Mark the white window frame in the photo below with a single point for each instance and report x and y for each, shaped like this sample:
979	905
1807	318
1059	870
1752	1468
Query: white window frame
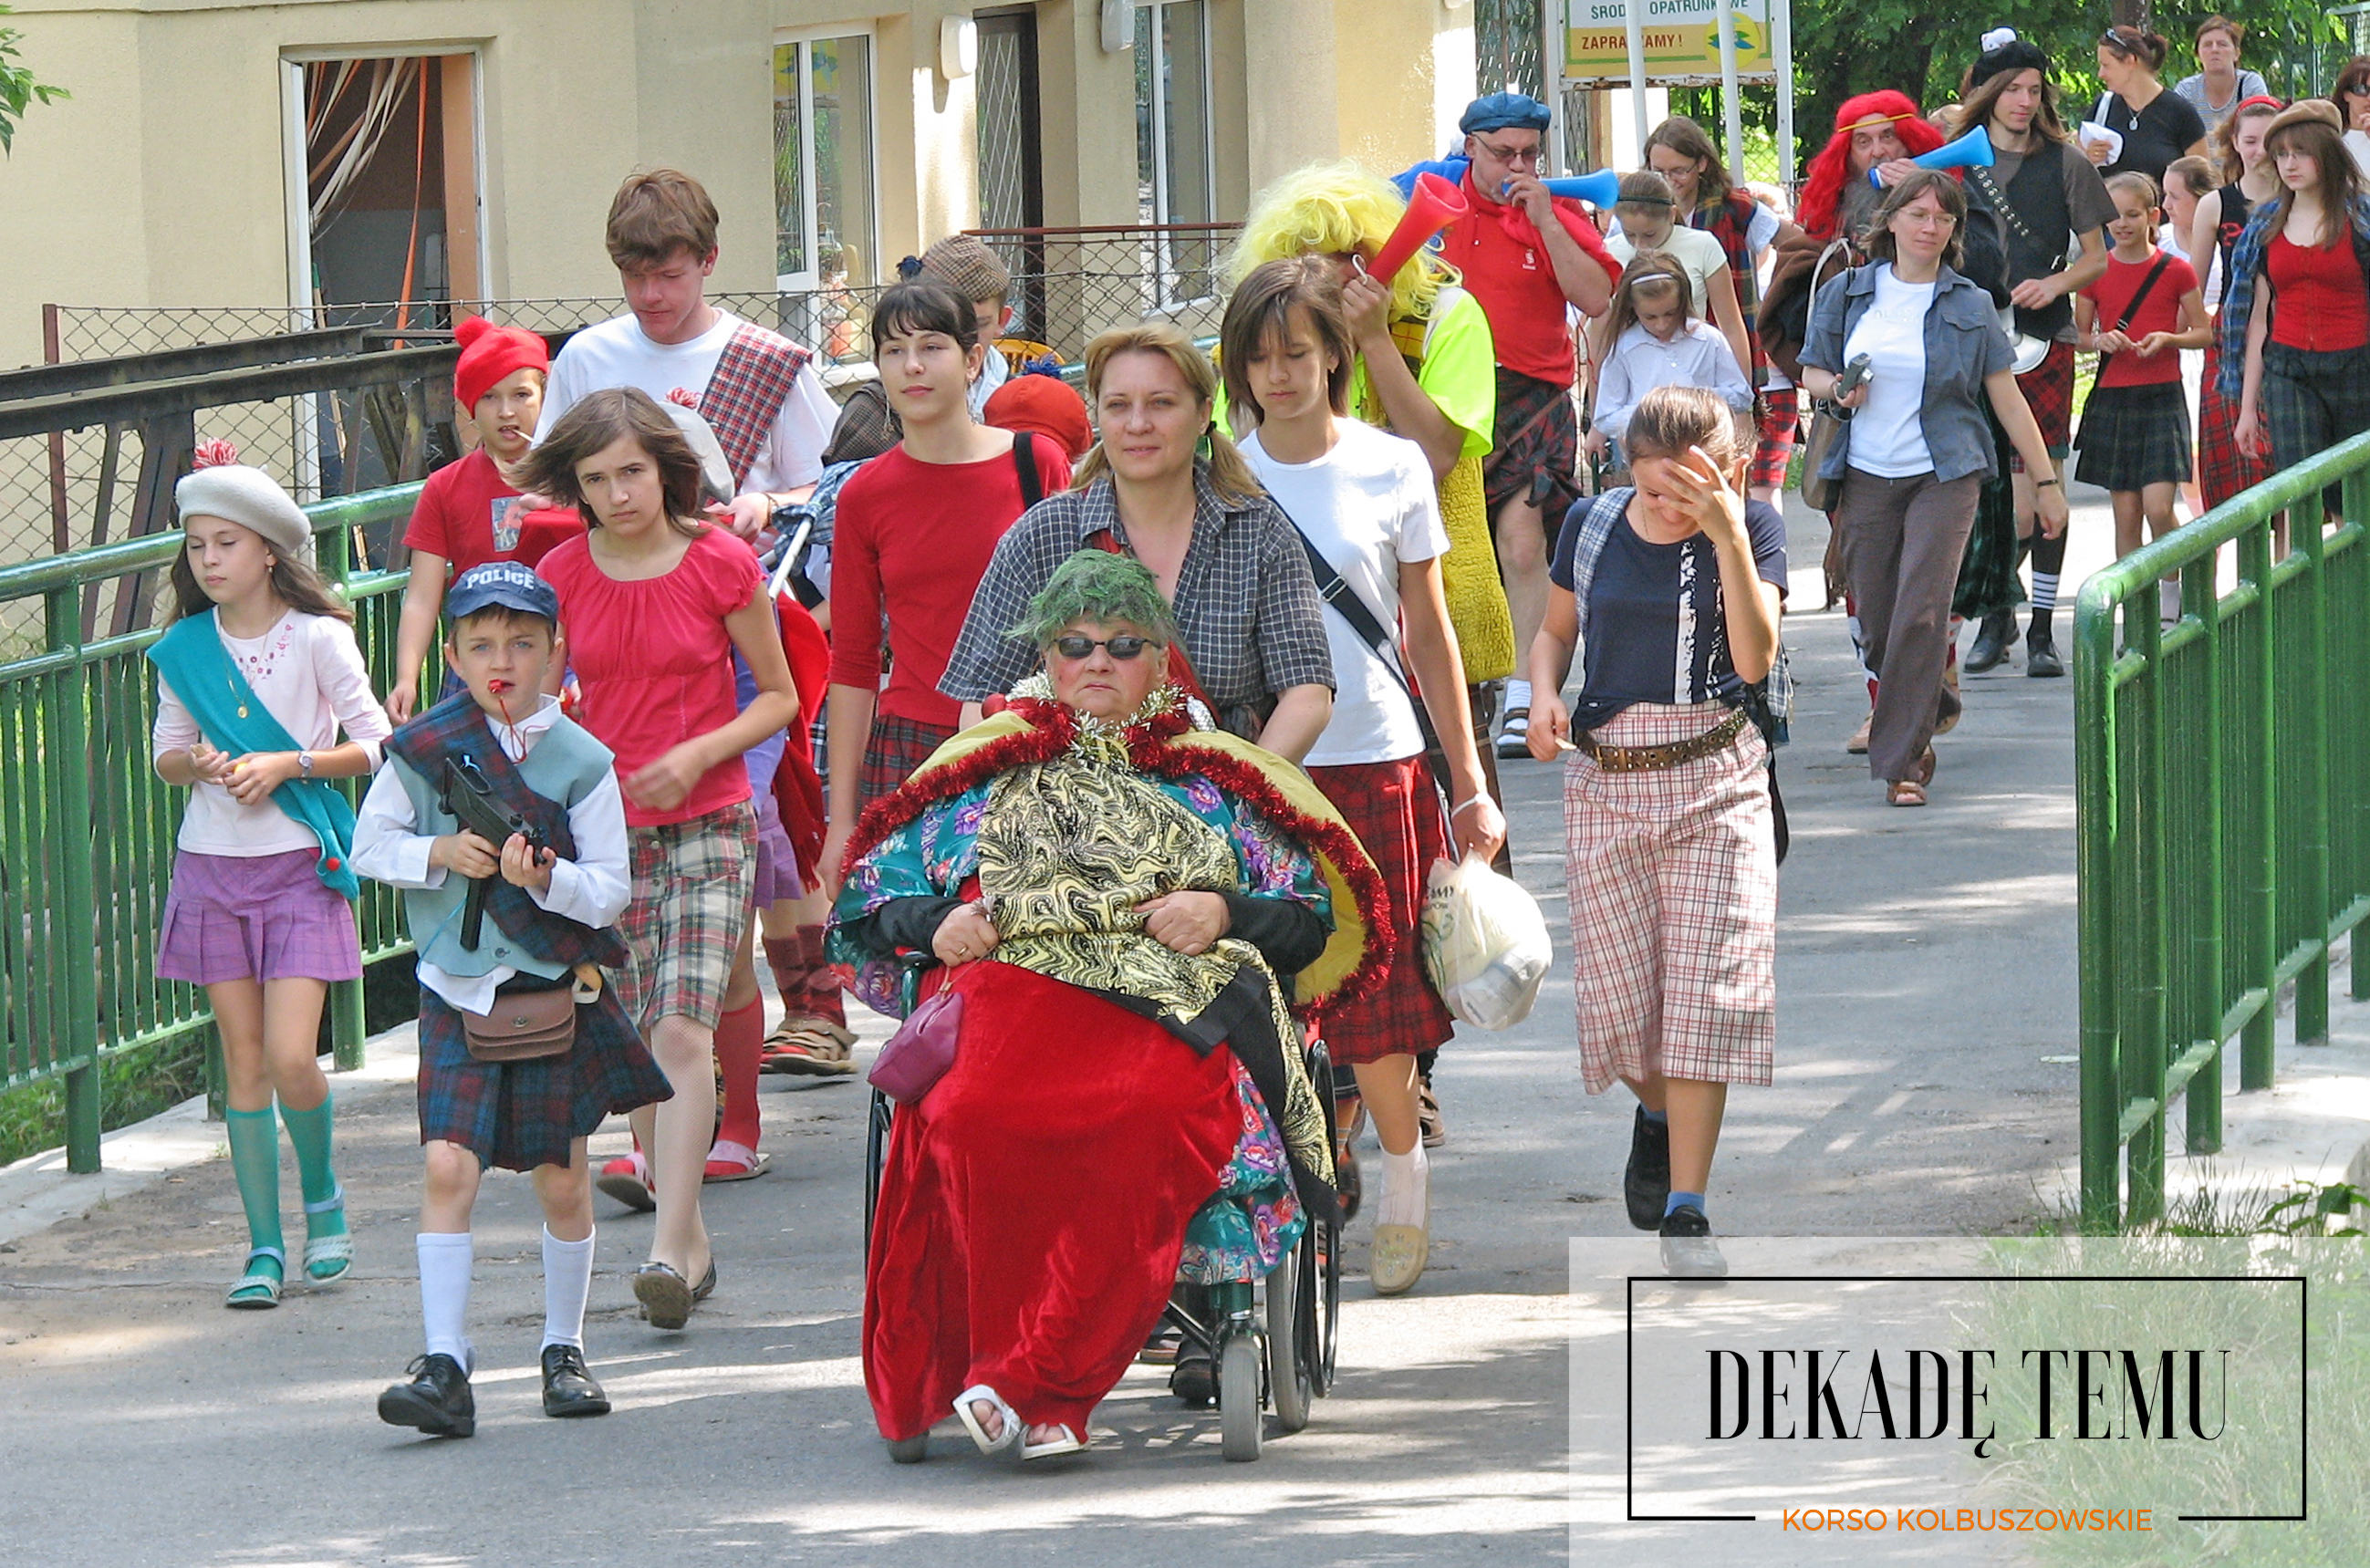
811	280
1164	249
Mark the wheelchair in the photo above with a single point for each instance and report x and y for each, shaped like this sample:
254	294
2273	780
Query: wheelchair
1273	1341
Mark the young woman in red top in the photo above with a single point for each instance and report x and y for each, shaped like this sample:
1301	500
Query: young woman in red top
2306	381
2134	438
653	601
910	539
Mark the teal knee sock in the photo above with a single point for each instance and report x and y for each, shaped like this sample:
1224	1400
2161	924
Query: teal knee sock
310	1132
255	1163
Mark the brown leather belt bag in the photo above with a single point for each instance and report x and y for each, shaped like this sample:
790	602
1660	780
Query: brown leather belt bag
524	1026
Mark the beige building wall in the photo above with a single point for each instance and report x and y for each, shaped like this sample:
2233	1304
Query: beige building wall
163	181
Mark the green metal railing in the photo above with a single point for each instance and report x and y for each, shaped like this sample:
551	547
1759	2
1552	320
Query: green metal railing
2222	793
87	827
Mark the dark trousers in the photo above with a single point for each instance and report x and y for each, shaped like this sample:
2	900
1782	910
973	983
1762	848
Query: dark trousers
1903	542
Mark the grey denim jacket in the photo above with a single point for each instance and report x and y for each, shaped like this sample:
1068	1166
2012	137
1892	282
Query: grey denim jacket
1963	345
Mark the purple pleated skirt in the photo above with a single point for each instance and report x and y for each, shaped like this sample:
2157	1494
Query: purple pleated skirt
260	917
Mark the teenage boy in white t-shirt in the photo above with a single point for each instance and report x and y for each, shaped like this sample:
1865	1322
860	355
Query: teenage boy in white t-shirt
758	390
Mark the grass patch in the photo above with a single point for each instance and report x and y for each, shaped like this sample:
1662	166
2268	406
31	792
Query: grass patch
131	1087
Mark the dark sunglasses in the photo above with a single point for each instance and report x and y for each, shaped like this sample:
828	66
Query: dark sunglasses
2357	89
1122	648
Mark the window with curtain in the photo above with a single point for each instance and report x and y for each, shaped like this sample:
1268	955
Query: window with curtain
823	162
1175	179
1506	37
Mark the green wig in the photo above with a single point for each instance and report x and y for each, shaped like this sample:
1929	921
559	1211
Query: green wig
1095	586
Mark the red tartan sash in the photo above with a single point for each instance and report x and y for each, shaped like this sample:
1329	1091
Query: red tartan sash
752	380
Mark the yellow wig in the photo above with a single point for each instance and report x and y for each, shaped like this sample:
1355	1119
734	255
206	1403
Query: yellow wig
1328	208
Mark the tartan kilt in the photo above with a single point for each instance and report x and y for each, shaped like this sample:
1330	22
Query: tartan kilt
1773	452
1396	810
2048	390
1537	433
2135	436
895	748
2223	470
517	1115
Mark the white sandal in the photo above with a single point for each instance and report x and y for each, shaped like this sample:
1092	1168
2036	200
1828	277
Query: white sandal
337	1250
257	1290
981	1393
1069	1442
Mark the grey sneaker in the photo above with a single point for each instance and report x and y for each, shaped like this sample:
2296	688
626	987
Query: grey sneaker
1688	1251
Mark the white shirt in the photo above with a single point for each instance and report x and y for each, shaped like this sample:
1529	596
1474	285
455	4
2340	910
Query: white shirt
994	372
309	674
1369	507
1695	251
591	890
1697	356
1887	439
617	352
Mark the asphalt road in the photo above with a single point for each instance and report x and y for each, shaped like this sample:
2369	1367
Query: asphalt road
1926	977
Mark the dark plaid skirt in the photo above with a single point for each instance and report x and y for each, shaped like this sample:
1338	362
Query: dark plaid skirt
2135	436
2221	469
1537	435
1396	812
517	1115
2048	389
897	746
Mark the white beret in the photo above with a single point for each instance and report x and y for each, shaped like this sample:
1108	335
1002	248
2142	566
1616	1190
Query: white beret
250	498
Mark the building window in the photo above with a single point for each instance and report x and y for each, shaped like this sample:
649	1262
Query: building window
1175	179
1506	37
823	162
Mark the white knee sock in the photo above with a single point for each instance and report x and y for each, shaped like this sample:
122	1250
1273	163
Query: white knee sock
444	1264
567	1281
1518	694
1406	1182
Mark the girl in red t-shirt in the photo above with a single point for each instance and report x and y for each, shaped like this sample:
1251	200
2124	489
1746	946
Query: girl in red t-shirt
2134	437
909	542
652	604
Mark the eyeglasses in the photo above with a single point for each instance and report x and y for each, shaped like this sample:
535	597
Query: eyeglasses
1523	155
1122	648
2356	89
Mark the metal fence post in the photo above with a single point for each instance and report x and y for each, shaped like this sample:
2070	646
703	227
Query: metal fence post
2094	831
66	742
2202	1019
2308	750
333	548
2258	1044
2140	1044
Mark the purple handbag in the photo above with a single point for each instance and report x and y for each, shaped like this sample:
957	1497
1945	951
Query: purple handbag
919	1053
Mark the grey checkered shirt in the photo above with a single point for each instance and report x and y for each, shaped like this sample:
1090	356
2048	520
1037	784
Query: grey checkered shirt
1246	603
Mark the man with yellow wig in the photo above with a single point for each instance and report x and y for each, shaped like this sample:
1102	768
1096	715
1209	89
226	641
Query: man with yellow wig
1427	372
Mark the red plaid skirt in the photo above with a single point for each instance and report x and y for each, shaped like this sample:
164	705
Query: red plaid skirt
2221	469
2048	390
1780	423
897	746
1396	813
517	1115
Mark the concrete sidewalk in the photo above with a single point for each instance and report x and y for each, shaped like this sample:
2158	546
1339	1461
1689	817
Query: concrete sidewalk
1925	1085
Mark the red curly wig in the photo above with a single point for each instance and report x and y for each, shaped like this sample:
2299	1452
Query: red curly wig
1822	185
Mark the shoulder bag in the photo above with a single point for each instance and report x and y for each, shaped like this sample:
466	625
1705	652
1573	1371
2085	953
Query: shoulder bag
1827	420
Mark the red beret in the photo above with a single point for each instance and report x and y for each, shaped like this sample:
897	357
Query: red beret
489	353
1042	404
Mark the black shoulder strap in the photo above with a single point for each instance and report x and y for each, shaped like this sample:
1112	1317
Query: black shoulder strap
1024	458
1335	590
2139	295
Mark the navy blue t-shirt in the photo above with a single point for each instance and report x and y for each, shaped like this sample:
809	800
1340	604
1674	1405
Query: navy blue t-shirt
1656	629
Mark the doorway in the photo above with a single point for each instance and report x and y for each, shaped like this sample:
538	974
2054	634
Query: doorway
1011	164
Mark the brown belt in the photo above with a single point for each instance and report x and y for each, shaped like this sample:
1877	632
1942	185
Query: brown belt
1642	759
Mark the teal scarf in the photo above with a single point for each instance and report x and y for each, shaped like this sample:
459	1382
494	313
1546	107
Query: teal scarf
235	720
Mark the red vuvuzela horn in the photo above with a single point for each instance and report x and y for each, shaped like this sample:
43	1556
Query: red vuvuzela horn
1434	206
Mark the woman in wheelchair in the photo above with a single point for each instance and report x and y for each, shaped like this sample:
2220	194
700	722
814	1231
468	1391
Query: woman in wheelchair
1127	902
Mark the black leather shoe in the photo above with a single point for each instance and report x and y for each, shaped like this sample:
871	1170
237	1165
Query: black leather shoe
568	1385
437	1401
1991	645
1646	1184
2040	655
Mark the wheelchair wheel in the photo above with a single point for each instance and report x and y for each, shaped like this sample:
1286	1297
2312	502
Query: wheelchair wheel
910	1451
1290	1377
876	1156
1239	1416
1320	1261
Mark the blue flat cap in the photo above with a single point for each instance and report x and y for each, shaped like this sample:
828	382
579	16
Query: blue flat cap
1505	111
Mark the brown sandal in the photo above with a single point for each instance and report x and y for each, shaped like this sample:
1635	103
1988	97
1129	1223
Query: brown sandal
1904	792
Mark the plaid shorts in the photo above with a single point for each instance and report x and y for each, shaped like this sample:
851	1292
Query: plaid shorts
1672	876
2048	390
693	884
1395	810
2221	469
1537	436
1780	424
897	746
2135	436
517	1115
2312	401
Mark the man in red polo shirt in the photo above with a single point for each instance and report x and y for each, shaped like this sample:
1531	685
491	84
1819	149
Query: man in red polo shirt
1527	257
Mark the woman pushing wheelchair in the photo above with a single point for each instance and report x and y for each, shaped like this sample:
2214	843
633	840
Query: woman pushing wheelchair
1127	901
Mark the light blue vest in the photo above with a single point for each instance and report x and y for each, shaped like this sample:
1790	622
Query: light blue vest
565	765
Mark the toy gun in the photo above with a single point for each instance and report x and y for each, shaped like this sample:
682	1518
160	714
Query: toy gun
468	798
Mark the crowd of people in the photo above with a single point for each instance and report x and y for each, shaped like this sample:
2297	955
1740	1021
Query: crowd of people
1115	738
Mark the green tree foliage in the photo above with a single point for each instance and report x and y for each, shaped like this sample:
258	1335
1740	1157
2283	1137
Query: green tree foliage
19	91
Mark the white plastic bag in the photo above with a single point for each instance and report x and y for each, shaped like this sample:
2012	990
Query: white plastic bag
1485	943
